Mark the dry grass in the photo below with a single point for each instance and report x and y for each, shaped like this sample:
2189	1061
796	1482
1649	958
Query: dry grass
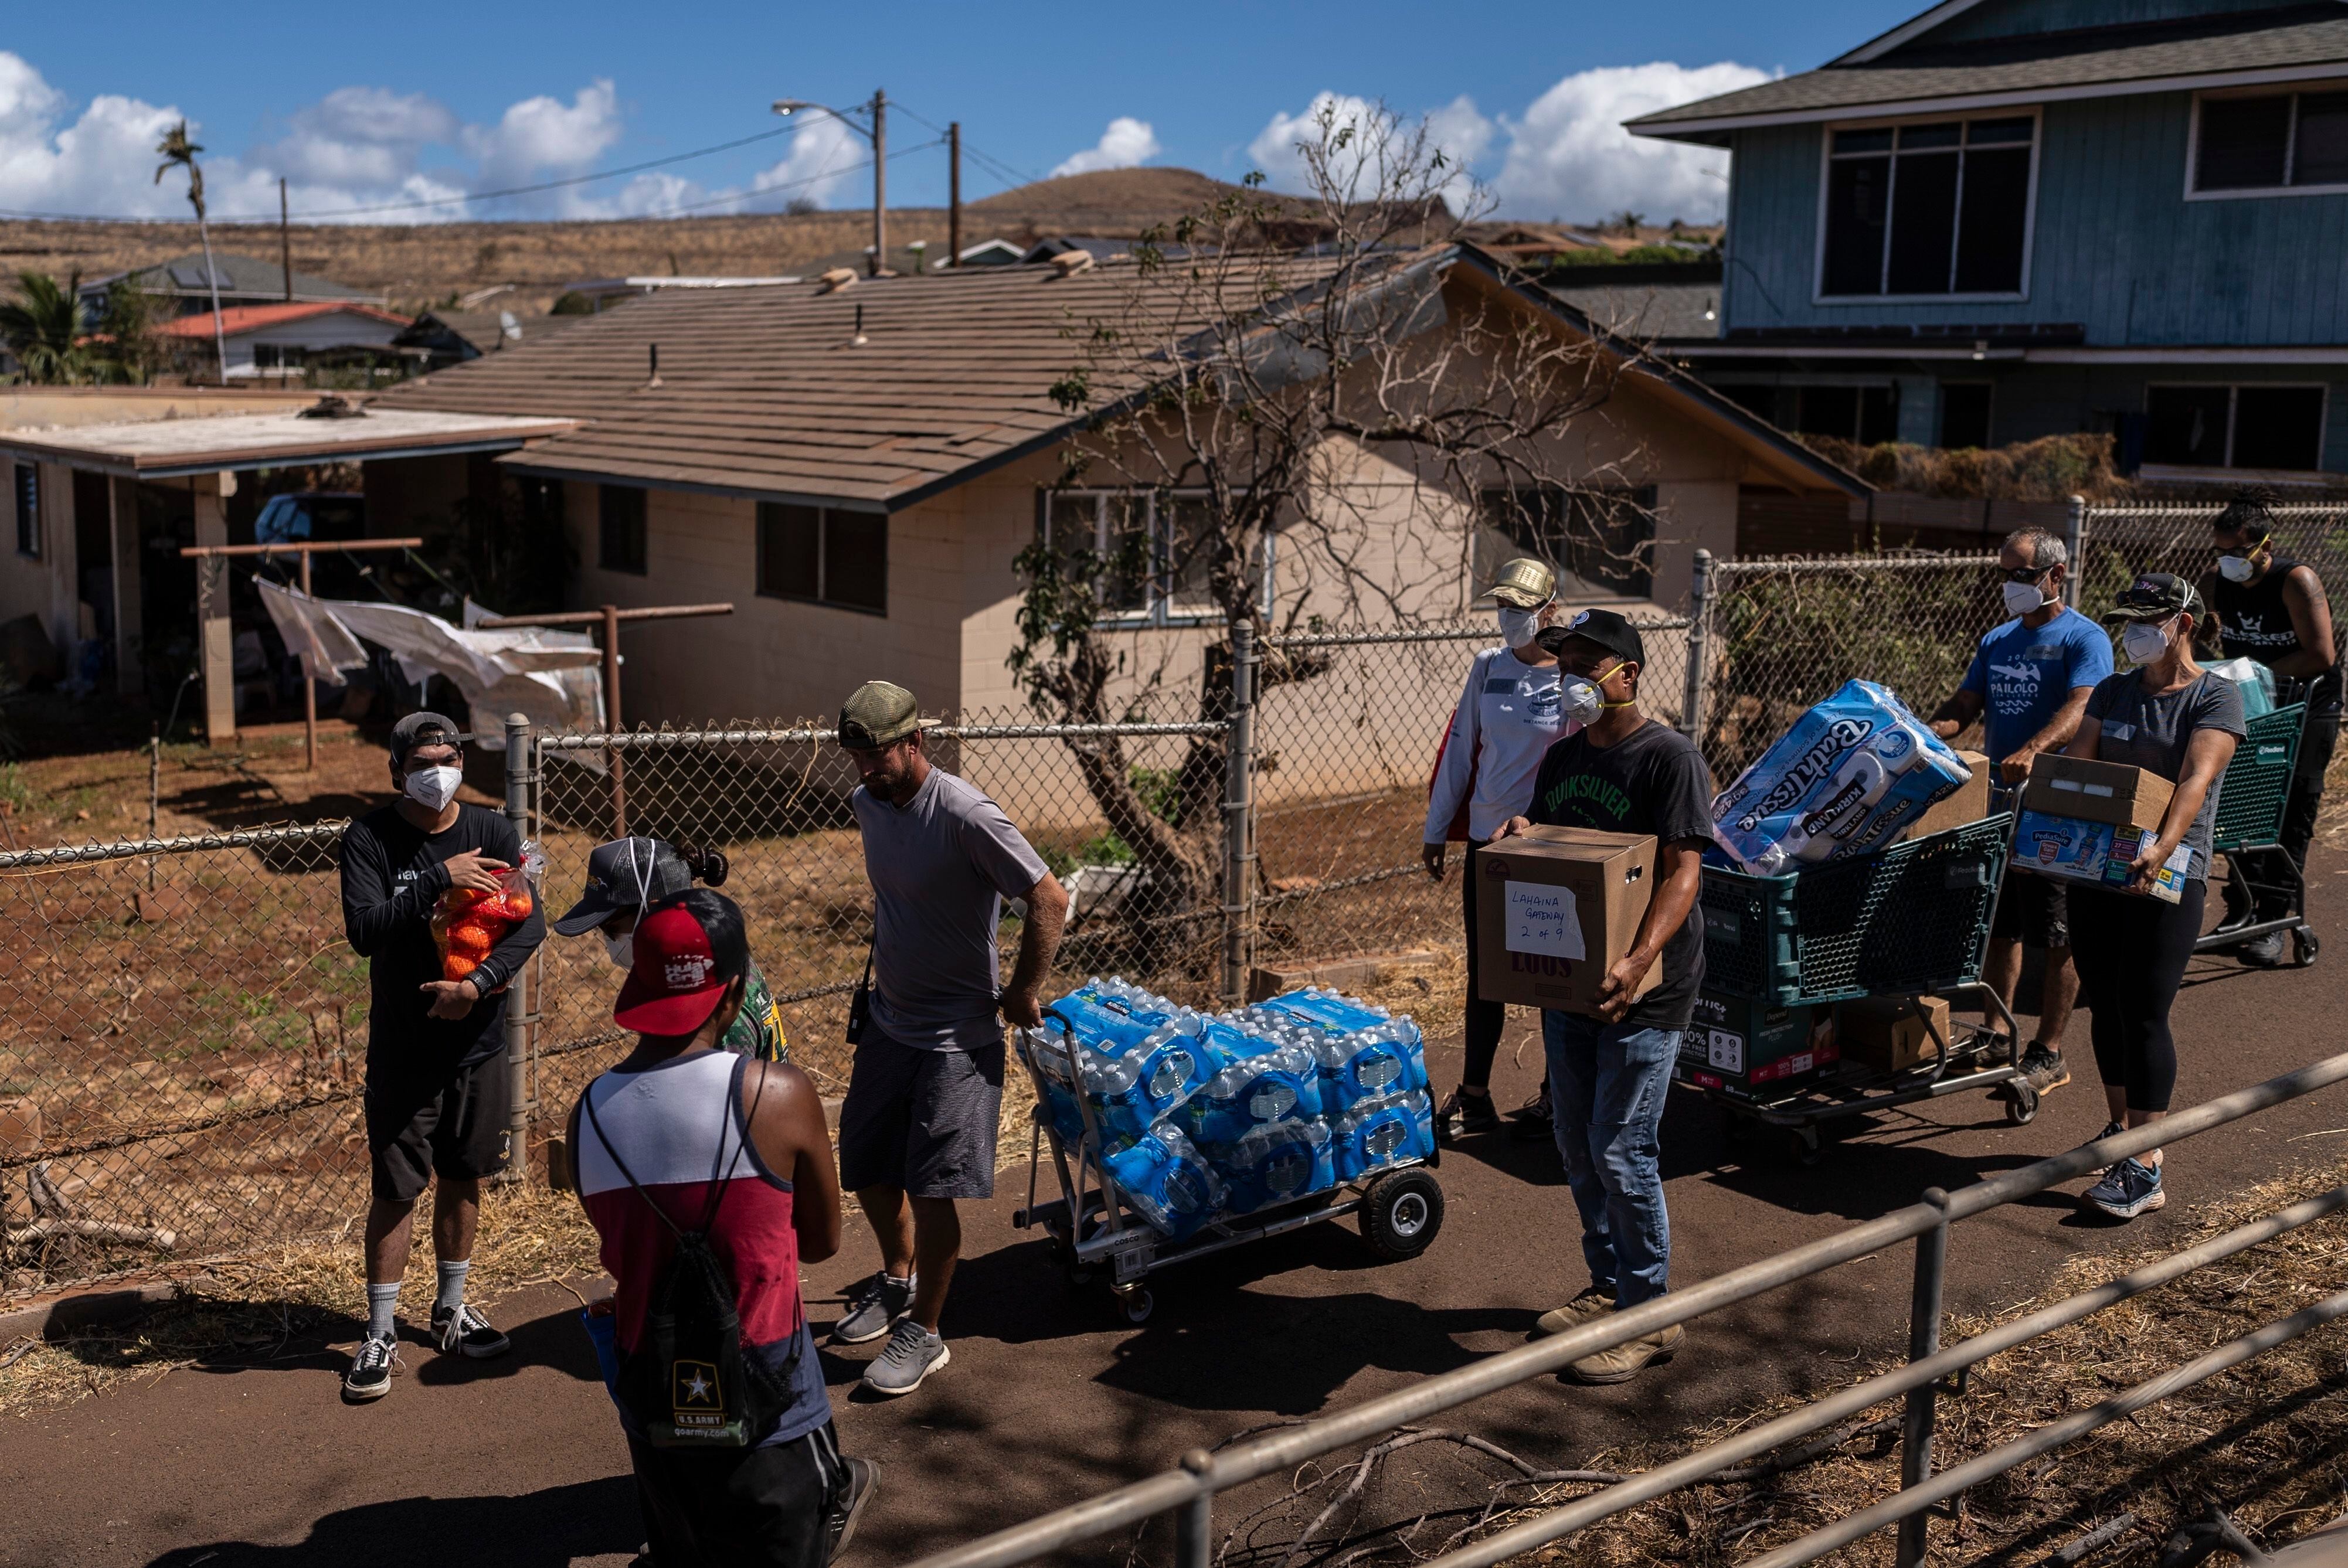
2267	1441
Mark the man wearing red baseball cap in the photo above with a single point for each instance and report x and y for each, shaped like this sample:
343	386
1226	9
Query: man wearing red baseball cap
686	1144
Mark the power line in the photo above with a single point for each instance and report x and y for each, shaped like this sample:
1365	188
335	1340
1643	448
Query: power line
1010	177
435	201
828	172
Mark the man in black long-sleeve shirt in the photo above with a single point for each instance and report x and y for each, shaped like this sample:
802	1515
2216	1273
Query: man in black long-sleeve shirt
437	1086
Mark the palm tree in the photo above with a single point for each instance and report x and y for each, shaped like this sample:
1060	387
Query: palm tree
42	326
179	152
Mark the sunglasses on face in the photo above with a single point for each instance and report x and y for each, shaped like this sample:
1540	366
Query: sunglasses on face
2248	549
2023	573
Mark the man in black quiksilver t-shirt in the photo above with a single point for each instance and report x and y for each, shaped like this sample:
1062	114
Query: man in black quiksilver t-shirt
1609	1075
437	1086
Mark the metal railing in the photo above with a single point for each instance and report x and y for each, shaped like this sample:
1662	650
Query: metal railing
1188	1492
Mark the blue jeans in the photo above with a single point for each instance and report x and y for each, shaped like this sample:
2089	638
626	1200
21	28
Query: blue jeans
1607	1083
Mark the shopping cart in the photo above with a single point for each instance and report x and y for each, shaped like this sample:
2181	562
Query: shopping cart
1097	1235
2261	873
1909	922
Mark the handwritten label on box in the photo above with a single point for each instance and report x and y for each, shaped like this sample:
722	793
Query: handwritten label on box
1541	918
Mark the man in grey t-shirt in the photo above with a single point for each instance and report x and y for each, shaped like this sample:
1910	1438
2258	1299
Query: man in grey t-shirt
926	1091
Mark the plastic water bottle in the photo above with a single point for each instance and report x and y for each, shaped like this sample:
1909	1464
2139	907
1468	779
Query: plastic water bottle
1166	1181
1381	1132
1275	1163
1282	1084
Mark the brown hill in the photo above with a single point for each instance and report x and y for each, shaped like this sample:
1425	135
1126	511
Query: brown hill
416	264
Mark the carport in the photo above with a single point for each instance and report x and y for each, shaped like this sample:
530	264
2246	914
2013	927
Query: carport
76	495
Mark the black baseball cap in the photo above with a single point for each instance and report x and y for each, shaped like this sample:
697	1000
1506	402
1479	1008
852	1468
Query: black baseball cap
625	874
1605	628
2154	596
423	730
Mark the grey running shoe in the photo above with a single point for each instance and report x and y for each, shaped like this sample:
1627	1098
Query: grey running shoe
2042	1069
872	1307
913	1353
862	1474
2263	952
2128	1189
462	1332
371	1369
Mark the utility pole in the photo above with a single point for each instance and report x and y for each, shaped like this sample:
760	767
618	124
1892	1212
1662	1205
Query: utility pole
285	259
609	619
954	193
880	180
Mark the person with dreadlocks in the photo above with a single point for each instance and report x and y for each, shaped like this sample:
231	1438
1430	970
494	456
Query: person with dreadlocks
2272	608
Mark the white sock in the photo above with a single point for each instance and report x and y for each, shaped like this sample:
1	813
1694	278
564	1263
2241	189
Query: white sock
381	1300
452	1286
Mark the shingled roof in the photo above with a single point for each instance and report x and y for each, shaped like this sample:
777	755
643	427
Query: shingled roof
2088	62
769	391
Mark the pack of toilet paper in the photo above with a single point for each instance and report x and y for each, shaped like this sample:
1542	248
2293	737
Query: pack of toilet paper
1845	779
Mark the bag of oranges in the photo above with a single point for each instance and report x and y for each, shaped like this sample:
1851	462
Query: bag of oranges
467	923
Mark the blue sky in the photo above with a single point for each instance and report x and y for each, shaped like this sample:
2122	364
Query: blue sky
452	98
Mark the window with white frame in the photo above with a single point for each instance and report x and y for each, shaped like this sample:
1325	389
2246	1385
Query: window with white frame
2214	426
1148	551
1936	209
2270	143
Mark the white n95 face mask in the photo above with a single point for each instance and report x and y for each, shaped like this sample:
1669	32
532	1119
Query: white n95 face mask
433	788
2024	599
1519	627
2236	569
2142	642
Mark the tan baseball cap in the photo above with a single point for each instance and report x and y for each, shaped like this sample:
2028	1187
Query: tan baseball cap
1524	582
877	713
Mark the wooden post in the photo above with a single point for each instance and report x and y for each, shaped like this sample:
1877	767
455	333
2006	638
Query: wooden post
309	684
880	181
129	568
215	637
612	758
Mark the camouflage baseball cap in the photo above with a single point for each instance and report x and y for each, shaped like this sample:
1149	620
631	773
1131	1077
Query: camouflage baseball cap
1524	582
877	713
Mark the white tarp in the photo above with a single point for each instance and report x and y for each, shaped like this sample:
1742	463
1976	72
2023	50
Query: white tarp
555	678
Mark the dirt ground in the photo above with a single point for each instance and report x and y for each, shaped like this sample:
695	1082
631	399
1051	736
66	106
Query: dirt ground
247	1457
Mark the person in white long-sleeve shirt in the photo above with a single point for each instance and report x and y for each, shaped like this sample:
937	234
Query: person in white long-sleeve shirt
1507	719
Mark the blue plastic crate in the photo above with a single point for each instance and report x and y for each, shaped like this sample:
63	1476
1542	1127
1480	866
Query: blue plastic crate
1912	919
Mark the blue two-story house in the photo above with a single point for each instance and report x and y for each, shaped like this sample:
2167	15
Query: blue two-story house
2009	219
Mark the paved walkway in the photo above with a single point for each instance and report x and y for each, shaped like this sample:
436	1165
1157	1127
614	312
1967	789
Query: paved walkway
1051	1395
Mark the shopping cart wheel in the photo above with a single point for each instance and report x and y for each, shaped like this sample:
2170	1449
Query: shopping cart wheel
1136	1304
1401	1213
1803	1147
2021	1103
2303	946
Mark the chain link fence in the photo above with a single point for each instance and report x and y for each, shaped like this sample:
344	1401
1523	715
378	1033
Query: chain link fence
185	1028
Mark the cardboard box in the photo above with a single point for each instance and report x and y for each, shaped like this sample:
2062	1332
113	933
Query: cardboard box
2079	850
1735	1044
1891	1034
1969	803
1555	909
2090	791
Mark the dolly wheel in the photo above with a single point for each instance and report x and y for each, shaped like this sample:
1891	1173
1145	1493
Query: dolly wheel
2021	1103
2304	946
1136	1304
1401	1215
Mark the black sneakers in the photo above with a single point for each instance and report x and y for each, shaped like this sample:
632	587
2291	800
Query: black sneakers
462	1332
861	1475
371	1369
2042	1069
1533	1122
1464	1113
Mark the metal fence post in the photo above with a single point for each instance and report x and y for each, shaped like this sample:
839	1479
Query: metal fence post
1194	1522
1699	615
520	776
2074	545
1923	1340
1239	816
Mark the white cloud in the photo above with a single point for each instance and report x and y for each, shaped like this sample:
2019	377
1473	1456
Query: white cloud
544	135
1570	157
1458	130
1125	144
824	152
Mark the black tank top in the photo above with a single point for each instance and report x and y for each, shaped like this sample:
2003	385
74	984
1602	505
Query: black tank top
2252	617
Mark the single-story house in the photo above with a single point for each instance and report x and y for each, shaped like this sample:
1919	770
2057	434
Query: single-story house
280	342
857	468
441	338
181	286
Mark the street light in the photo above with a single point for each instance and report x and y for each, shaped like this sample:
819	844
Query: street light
878	135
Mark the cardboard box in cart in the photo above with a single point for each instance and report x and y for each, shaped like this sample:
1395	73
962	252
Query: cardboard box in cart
1891	1033
1748	1047
1555	909
1969	803
2085	821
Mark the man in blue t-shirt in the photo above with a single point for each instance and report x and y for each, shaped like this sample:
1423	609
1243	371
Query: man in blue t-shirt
2029	685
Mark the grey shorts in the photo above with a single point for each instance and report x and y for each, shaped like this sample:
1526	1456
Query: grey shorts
922	1120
